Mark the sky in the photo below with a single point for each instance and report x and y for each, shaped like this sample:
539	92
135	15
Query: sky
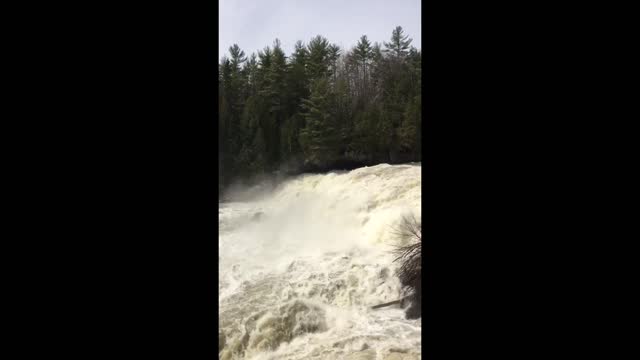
255	24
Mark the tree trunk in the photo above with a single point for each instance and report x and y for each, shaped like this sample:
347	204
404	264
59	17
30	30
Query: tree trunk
399	301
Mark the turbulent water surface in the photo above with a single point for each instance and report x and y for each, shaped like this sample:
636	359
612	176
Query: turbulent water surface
301	267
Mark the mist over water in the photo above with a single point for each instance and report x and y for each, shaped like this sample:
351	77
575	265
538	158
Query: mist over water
301	266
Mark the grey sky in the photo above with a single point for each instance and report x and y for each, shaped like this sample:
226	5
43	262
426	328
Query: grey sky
254	24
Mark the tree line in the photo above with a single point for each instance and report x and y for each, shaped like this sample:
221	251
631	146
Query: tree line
320	108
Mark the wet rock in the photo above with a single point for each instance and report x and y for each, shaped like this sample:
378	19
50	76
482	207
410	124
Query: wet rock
414	311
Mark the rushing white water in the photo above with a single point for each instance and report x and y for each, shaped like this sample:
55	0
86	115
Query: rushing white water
299	280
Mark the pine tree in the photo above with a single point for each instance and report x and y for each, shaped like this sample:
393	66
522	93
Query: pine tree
332	58
318	64
362	54
298	80
251	71
320	137
237	57
376	70
297	90
399	44
407	133
274	93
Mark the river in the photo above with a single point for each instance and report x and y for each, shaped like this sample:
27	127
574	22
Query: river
300	267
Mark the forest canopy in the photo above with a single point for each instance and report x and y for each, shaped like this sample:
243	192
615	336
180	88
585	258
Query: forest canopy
320	108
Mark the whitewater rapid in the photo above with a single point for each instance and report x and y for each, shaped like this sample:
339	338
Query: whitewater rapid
300	268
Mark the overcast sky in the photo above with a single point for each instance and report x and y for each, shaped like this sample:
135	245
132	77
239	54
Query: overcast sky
254	24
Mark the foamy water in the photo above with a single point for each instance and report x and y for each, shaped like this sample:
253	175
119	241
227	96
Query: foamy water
298	281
